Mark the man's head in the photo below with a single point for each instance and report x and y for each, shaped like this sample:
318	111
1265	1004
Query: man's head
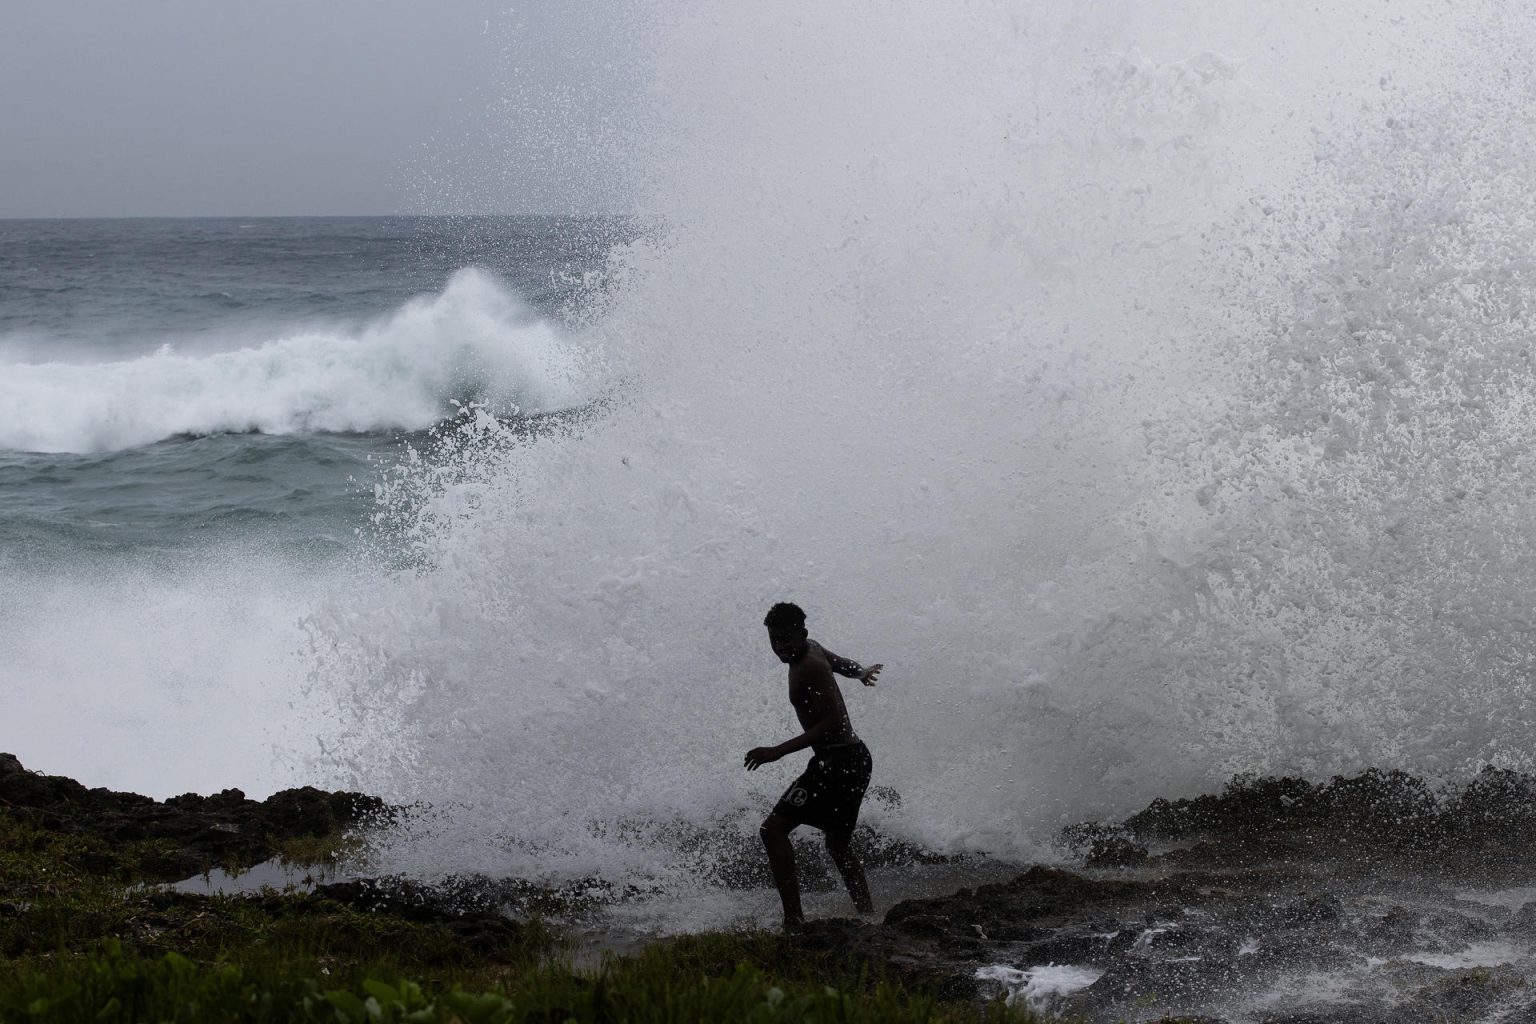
786	631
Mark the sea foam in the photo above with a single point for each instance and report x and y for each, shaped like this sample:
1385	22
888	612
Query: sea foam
476	340
1130	382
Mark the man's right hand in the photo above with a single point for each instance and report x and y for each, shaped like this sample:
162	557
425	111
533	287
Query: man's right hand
759	756
870	674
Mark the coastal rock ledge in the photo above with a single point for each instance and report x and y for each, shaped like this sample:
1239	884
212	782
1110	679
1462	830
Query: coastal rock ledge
1362	900
1371	899
199	832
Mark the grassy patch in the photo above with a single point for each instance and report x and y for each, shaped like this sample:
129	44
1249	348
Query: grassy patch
321	851
112	985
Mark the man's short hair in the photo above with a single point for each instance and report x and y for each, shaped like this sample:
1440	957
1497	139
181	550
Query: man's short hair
784	616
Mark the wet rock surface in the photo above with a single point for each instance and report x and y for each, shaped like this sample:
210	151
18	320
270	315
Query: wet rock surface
1364	900
1277	947
201	832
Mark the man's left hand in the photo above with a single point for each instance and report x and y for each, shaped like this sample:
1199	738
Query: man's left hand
759	756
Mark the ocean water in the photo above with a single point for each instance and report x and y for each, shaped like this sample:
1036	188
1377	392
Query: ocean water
194	418
1149	387
174	380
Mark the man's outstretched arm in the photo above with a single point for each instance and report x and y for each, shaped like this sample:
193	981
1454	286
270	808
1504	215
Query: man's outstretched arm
852	669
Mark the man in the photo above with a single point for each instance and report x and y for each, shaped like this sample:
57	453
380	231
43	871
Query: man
827	795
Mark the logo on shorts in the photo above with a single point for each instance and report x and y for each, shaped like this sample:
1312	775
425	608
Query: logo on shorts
797	797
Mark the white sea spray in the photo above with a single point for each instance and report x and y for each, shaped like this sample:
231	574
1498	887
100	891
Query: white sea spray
1151	401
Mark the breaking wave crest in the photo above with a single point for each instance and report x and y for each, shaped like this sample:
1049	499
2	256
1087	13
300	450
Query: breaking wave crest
476	340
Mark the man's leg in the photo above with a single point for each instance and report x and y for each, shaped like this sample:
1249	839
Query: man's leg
781	860
840	846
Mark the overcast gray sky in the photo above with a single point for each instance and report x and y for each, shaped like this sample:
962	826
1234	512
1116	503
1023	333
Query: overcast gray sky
279	107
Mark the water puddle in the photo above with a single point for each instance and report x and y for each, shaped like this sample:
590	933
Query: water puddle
273	875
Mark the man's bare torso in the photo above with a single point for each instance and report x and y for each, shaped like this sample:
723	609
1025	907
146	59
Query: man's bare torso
812	690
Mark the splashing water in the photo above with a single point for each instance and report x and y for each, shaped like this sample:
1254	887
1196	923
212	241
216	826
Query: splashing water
1041	988
475	339
1148	388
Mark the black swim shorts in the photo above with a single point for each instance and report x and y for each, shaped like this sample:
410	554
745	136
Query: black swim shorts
828	793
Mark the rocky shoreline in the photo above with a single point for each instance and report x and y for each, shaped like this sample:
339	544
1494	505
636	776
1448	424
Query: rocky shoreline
1279	901
1362	900
225	830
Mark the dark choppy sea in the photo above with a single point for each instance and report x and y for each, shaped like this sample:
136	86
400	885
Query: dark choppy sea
167	383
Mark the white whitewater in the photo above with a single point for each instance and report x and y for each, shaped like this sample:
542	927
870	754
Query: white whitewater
475	339
1147	385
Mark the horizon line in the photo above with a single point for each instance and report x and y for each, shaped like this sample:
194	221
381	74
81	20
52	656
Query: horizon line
304	216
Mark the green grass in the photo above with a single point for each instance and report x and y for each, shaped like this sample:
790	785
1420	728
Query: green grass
110	984
327	850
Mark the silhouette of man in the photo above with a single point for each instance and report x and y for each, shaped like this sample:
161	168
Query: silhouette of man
828	793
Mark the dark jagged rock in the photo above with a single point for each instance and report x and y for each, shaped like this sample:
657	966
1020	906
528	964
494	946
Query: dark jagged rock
1016	910
472	894
1392	813
483	927
1247	804
1310	910
225	829
1392	933
1271	878
1115	852
1463	996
